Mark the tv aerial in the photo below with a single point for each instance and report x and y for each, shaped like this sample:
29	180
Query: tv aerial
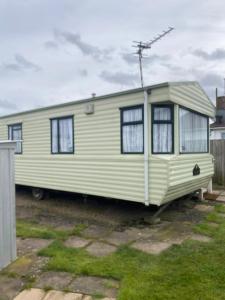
141	46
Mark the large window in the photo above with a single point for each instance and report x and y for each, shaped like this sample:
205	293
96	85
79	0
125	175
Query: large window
162	129
193	132
15	134
132	129
62	135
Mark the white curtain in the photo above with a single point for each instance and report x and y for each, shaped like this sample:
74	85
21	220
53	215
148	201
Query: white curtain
66	135
17	136
193	132
55	136
132	133
162	138
162	114
162	132
133	138
132	115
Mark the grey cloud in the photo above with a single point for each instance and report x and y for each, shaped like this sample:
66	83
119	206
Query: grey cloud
83	73
25	63
11	67
211	80
132	59
20	64
217	54
51	45
120	78
86	48
5	104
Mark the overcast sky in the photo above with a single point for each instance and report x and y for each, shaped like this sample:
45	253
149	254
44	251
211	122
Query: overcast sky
53	51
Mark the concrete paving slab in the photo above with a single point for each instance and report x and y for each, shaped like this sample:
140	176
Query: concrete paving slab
58	295
221	198
76	242
32	294
88	298
151	247
29	245
96	231
120	237
90	285
9	287
137	233
204	208
222	215
100	249
55	280
201	238
73	296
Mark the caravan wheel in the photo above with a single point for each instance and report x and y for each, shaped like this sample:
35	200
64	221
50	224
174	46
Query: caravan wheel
38	193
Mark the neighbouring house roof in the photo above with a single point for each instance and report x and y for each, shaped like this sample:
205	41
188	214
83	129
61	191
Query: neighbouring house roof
217	125
220	113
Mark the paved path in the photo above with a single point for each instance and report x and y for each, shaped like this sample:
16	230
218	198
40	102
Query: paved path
39	294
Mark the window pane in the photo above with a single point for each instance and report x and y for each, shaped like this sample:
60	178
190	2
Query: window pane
193	132
162	138
133	138
162	114
10	133
17	136
54	136
132	115
66	135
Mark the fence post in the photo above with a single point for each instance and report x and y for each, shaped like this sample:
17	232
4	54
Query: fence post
7	204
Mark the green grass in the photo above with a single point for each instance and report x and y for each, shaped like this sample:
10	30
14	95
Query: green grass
26	229
193	270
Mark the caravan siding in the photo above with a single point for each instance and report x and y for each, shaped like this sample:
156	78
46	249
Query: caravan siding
97	167
192	96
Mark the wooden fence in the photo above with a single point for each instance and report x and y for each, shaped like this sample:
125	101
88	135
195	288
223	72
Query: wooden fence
217	149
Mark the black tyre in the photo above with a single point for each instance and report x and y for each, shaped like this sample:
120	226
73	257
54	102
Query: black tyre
38	193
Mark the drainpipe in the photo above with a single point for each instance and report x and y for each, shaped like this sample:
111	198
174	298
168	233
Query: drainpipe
146	148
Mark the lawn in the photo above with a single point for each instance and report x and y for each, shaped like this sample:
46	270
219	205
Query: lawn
193	270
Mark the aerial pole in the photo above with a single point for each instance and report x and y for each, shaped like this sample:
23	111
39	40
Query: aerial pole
141	46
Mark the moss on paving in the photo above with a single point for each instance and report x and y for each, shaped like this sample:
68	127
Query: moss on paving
26	229
194	270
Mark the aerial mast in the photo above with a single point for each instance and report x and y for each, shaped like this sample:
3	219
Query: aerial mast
141	46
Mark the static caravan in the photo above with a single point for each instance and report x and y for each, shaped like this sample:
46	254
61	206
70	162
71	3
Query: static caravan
149	145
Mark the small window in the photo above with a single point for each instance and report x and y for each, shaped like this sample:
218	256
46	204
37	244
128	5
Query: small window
62	135
162	129
193	132
132	130
15	134
223	135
